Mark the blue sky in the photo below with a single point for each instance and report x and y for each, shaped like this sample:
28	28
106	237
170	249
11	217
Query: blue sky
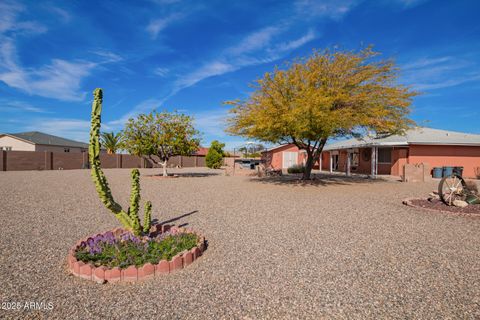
193	55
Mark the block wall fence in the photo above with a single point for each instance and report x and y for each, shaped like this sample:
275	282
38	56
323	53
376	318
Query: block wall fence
46	160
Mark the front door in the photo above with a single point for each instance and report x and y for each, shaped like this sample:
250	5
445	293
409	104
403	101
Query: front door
335	162
289	159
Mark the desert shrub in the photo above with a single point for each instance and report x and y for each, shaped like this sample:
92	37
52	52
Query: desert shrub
472	186
214	158
296	169
127	249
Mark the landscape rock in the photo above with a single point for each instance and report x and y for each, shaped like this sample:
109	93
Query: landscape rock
460	203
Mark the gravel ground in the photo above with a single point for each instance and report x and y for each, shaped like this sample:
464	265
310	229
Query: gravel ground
337	248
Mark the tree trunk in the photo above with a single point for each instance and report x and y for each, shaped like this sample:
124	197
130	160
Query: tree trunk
164	166
308	166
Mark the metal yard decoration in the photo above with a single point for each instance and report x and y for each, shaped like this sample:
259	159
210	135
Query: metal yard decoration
453	188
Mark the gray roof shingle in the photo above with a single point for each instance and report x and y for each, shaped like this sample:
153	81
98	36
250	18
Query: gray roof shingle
48	139
419	135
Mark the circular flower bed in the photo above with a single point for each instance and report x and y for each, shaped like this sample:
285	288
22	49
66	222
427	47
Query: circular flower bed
118	255
437	205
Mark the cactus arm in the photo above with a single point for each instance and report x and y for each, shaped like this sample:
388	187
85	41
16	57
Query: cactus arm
147	221
98	177
135	200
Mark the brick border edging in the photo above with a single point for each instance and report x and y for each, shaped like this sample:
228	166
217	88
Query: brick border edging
408	202
103	274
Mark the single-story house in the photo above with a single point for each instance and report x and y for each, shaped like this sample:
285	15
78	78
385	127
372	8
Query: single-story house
39	141
201	152
284	156
390	153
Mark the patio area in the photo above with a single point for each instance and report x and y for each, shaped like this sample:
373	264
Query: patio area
346	248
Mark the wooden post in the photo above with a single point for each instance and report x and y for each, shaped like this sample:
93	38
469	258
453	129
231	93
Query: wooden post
3	161
85	161
48	160
320	161
331	162
348	163
373	160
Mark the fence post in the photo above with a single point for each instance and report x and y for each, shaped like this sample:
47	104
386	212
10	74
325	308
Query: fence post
195	161
3	161
85	161
119	160
48	160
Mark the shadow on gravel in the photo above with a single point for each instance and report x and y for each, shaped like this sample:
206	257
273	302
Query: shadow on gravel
184	175
155	221
197	174
318	180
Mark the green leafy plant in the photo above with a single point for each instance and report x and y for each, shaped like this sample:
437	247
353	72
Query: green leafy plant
129	219
111	141
296	169
126	250
214	158
160	136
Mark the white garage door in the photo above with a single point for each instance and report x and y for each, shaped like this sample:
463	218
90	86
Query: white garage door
289	159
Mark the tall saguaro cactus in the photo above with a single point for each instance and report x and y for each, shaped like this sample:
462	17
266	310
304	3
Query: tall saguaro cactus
129	219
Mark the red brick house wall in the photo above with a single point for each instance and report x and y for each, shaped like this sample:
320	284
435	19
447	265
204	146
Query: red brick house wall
439	156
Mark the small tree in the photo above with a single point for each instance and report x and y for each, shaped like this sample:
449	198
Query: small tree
214	158
111	141
328	95
164	135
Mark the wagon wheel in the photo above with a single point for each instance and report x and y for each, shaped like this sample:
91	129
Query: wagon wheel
452	188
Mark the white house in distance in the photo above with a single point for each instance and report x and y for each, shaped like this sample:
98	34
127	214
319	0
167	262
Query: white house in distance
39	141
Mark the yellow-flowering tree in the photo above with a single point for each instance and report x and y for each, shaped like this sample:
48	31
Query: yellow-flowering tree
330	94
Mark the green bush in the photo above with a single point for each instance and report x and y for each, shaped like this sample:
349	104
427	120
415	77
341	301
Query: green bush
296	169
214	158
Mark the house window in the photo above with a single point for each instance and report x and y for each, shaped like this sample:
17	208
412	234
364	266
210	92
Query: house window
385	155
66	150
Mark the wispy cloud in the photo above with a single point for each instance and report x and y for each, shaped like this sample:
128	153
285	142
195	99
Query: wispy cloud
410	3
68	128
60	79
63	14
143	107
9	19
107	56
255	49
296	43
211	123
157	25
210	69
20	106
162	72
431	73
254	41
334	9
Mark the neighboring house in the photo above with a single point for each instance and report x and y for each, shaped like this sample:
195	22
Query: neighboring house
284	157
38	141
436	147
201	152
